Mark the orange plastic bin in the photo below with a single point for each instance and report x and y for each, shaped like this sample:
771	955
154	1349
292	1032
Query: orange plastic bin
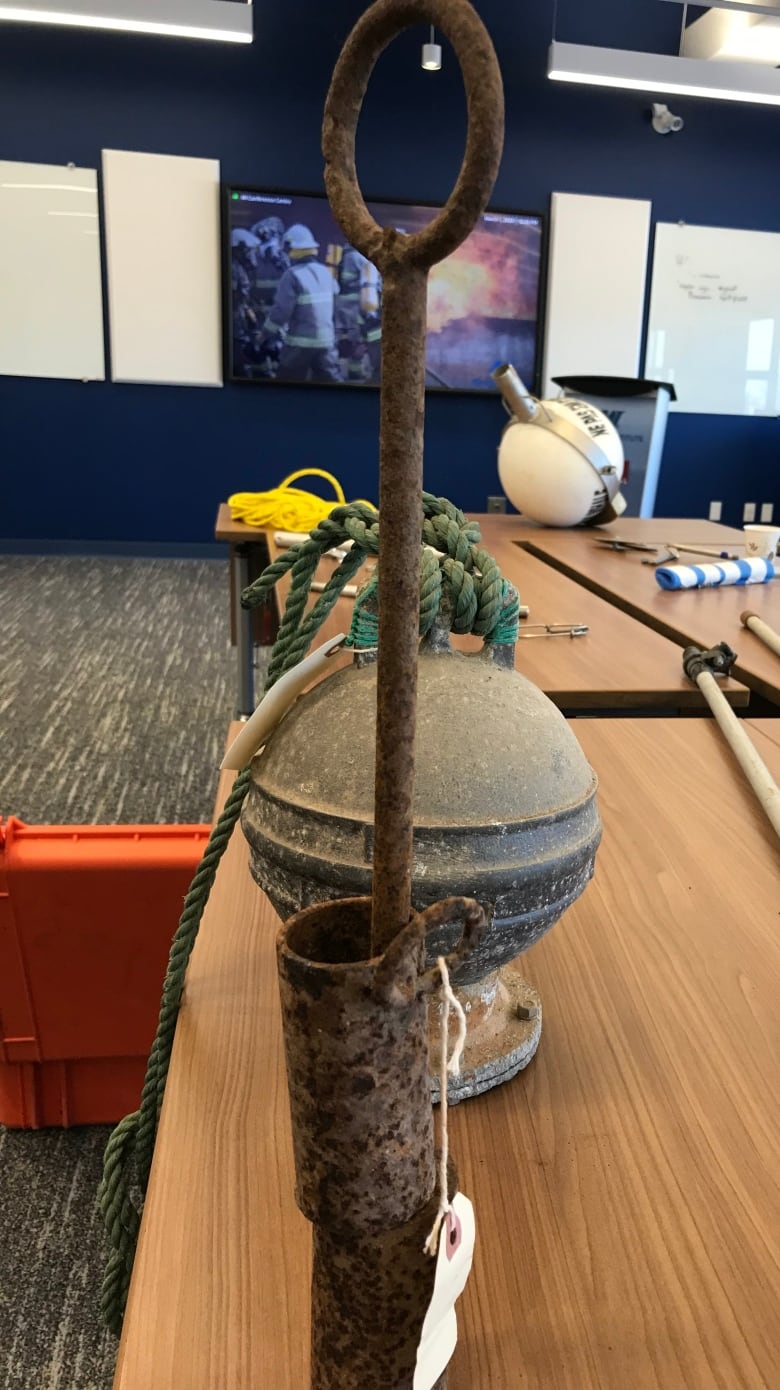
87	914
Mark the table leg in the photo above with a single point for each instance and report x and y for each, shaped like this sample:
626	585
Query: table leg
244	623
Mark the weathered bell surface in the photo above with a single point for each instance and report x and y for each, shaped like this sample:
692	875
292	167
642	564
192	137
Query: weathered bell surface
504	810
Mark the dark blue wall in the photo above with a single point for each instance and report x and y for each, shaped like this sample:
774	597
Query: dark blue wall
131	463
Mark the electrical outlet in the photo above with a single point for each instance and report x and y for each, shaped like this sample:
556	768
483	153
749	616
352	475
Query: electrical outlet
767	512
496	504
716	509
749	511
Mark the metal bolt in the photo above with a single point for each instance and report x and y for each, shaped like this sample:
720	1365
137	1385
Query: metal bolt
528	1011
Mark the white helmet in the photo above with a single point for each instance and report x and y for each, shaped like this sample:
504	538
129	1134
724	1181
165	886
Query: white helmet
560	462
240	237
299	238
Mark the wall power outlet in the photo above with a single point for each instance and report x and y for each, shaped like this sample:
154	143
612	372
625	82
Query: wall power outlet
767	512
716	510
749	511
496	504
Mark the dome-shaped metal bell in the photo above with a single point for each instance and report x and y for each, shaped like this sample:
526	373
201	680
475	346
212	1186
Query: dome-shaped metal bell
504	812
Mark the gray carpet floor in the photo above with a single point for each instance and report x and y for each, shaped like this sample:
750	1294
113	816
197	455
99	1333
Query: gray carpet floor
116	688
51	1260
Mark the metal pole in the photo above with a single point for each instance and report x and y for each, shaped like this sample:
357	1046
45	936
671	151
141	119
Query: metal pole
244	623
404	262
699	666
400	508
767	634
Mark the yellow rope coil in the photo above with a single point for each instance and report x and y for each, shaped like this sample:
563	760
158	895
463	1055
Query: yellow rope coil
287	508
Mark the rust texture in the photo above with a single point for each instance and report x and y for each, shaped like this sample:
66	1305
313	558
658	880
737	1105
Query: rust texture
352	973
404	262
355	1046
367	1297
357	1071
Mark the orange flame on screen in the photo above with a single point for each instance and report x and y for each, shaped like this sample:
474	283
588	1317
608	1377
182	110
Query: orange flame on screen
482	278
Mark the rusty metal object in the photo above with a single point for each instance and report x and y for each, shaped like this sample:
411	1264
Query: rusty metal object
352	976
355	1045
404	262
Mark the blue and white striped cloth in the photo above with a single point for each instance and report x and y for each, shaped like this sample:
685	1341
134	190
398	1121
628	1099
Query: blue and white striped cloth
753	571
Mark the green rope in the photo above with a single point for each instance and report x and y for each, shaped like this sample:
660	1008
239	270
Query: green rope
482	603
480	600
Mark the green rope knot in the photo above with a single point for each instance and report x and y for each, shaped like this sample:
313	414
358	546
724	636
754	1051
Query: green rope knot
452	564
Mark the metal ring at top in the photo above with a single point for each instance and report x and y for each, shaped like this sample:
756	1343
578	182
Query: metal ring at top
381	23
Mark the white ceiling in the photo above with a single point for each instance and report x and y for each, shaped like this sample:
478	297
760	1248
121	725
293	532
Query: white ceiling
736	34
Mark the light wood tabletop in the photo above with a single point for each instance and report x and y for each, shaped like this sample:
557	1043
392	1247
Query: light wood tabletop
619	664
701	616
655	530
627	1185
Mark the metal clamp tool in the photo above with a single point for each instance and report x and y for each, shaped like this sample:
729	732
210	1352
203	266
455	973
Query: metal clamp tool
554	630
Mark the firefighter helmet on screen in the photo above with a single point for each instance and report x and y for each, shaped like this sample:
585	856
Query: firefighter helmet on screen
269	229
560	462
241	237
300	241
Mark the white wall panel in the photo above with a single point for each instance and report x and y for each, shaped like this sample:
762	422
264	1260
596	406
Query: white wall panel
596	286
51	301
163	256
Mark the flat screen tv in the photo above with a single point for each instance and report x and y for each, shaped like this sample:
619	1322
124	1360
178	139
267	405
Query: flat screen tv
303	305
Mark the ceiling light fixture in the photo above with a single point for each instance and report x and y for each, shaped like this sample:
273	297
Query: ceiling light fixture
228	21
661	72
431	54
765	7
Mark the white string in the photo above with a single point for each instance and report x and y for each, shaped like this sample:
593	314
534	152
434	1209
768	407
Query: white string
446	1068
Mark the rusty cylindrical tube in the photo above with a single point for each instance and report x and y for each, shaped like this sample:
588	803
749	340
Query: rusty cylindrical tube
355	1044
404	262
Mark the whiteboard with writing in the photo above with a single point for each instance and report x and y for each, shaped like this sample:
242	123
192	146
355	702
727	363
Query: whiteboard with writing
714	328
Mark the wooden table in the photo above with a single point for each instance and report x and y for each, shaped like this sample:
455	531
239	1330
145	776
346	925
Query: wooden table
701	616
627	1184
655	530
619	665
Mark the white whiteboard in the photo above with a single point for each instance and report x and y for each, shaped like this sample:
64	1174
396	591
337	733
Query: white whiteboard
714	327
163	262
596	286
51	301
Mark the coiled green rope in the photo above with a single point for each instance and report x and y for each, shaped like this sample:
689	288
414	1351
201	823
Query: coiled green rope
483	603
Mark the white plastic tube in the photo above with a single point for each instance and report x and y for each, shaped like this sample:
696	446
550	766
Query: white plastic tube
276	703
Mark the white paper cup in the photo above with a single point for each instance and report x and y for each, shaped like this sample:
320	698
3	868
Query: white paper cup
761	540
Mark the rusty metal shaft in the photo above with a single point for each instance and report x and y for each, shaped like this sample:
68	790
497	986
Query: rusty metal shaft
404	262
400	508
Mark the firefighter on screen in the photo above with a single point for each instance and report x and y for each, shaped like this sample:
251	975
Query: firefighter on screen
303	313
358	314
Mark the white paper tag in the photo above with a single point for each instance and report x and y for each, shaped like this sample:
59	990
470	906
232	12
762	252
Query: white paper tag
453	1266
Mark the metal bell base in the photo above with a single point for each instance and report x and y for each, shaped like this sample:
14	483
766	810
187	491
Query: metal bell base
504	1018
